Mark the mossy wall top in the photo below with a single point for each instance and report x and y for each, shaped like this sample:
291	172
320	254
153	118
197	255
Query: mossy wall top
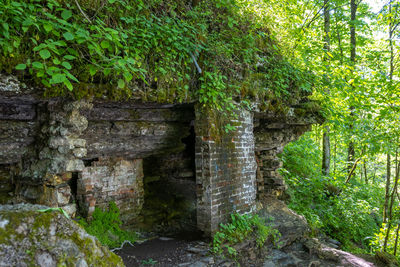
147	50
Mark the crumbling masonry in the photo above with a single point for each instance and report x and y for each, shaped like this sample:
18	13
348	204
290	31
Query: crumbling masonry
155	161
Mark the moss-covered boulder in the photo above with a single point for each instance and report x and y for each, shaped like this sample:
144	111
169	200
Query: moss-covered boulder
29	237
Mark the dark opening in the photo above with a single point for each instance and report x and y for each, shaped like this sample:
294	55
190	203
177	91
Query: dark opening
170	192
73	184
88	162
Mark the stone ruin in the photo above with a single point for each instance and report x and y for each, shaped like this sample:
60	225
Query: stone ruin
164	165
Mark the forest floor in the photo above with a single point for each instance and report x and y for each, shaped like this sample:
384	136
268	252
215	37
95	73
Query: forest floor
295	248
166	251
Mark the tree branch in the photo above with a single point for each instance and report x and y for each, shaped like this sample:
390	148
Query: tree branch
83	13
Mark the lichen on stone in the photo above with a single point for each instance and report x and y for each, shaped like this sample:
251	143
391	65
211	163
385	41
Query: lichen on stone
34	238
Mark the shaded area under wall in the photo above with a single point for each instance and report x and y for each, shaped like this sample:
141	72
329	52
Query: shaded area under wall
7	187
170	191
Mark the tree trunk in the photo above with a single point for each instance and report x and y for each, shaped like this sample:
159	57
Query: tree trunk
365	171
351	148
390	210
387	188
326	144
397	239
388	168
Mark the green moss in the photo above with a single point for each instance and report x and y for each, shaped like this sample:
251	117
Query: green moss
38	231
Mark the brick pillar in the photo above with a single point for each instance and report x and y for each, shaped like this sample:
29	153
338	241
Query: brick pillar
225	169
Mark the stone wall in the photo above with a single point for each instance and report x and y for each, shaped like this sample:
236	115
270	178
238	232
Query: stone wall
84	154
145	157
112	180
225	169
271	134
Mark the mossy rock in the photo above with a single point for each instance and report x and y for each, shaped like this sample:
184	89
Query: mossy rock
29	237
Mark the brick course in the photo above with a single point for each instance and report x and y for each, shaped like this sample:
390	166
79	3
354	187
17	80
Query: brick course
117	180
225	170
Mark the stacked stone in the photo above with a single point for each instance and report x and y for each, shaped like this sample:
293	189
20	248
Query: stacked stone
46	179
271	137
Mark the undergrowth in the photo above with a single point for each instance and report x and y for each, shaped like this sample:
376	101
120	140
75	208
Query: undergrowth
105	225
241	228
349	212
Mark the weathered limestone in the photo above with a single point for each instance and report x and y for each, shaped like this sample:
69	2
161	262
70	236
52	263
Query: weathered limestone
225	170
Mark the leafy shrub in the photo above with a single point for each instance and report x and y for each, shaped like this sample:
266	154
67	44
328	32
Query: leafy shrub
393	240
105	225
346	212
241	228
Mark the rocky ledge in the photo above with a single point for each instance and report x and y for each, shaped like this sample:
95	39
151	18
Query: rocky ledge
30	236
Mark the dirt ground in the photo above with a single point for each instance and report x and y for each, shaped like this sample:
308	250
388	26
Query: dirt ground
164	251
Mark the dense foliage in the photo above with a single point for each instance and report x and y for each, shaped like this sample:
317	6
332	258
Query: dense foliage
348	213
241	228
148	50
106	226
344	175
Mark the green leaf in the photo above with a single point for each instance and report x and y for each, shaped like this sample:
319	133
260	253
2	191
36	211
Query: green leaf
107	71
45	54
68	36
45	82
56	61
69	57
105	44
58	78
55	209
37	65
72	77
68	84
121	83
66	14
66	65
92	70
48	27
20	67
111	1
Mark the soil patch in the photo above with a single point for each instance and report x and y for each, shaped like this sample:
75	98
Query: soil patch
162	251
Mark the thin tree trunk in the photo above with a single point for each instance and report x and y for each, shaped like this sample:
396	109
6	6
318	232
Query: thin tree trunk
352	171
351	147
390	212
397	239
365	171
335	155
326	143
388	167
387	188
